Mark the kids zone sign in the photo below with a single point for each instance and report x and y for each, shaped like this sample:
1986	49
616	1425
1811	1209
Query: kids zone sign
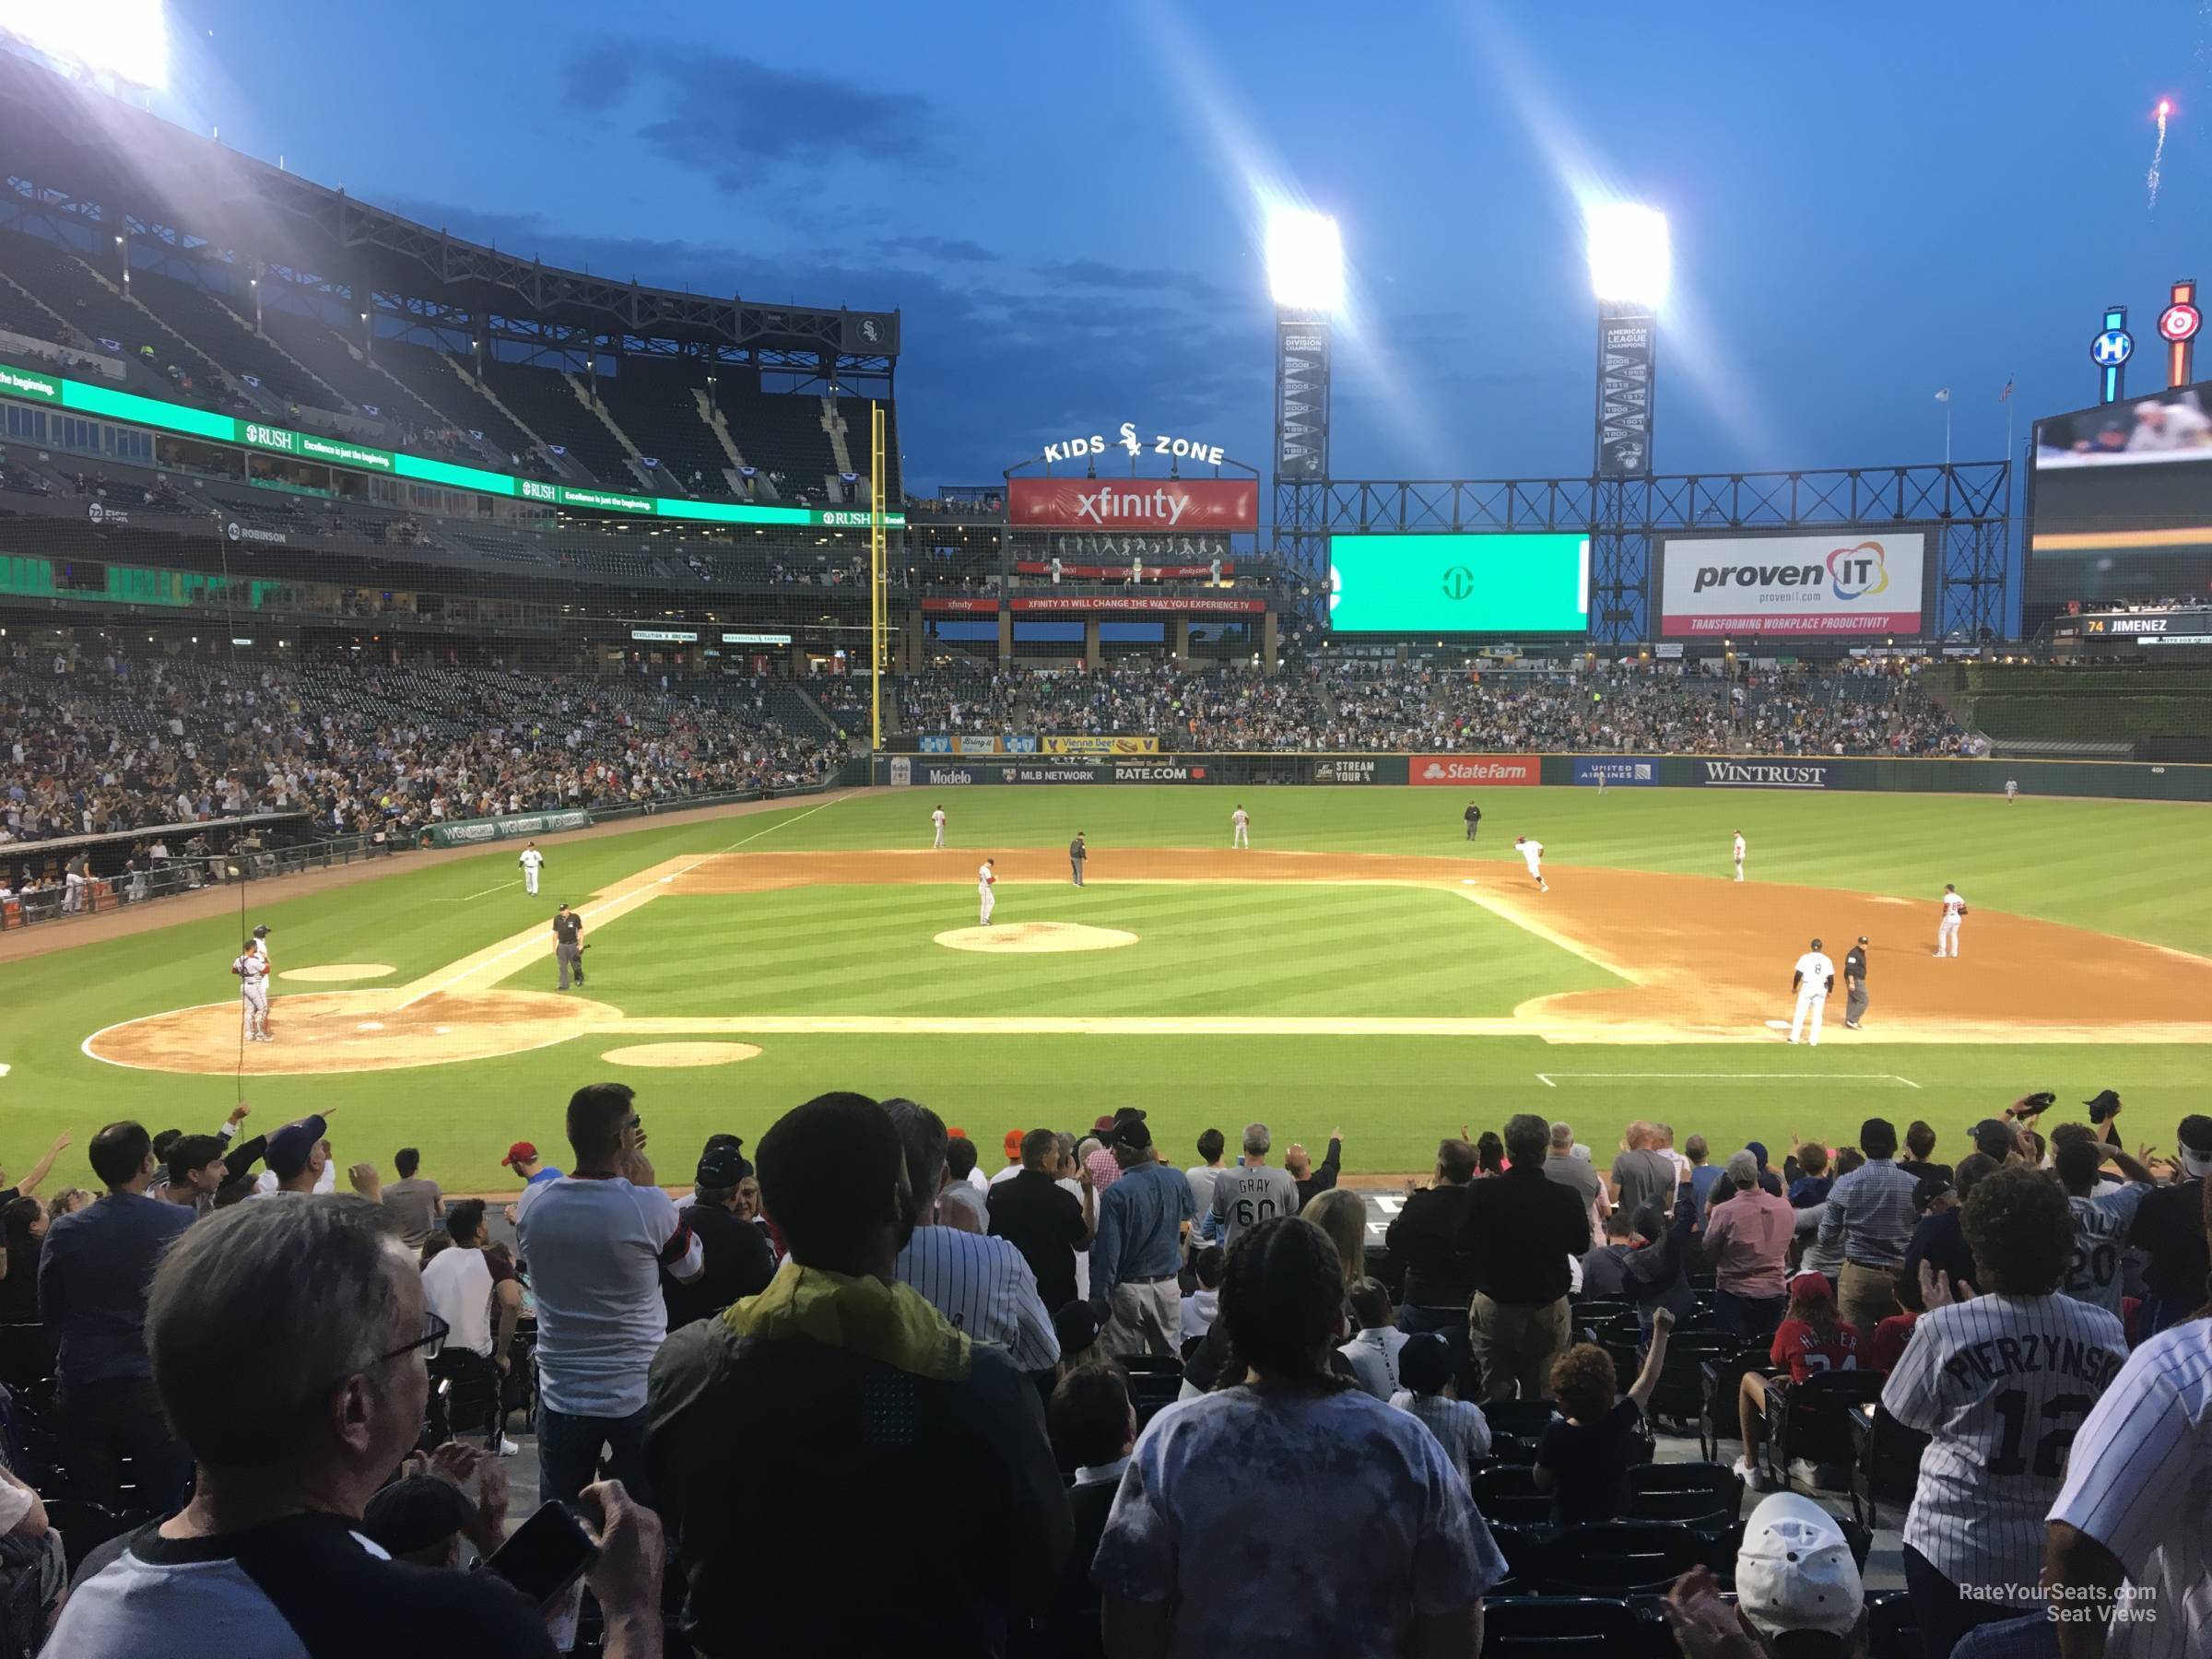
1846	584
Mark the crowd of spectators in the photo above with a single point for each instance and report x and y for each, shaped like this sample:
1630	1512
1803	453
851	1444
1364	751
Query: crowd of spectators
283	1406
108	742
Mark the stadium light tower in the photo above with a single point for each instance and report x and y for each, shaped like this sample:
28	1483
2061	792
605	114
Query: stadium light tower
1630	263
1305	274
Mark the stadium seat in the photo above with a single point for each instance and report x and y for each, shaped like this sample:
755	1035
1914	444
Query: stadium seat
1810	1420
84	1526
1508	1492
1680	1394
1886	1461
1550	1626
1702	1493
1628	1557
1893	1633
1720	1379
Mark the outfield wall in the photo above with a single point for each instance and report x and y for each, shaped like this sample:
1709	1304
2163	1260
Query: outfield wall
2114	780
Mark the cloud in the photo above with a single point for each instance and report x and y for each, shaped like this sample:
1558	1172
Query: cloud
946	250
1155	279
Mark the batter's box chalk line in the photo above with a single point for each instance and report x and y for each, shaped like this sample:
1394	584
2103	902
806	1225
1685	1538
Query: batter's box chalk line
1553	1079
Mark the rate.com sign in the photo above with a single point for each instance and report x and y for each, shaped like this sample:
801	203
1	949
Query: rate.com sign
1475	771
1844	583
1134	503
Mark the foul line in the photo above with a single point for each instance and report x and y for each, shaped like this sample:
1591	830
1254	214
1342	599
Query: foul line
1550	1079
490	891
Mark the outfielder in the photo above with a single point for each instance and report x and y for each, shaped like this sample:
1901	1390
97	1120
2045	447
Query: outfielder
532	860
2012	789
1239	830
936	821
1739	855
1813	979
1946	930
253	992
1532	854
986	877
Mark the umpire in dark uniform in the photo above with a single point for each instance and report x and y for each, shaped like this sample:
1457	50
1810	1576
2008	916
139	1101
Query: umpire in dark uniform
1076	853
1474	819
567	947
1855	982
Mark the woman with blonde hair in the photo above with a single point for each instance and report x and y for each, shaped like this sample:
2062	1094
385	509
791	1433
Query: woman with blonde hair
1340	1215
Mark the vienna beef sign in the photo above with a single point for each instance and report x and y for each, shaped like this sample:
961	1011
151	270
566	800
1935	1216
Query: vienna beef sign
1192	504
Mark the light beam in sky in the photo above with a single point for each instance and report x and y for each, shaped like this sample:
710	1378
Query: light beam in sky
2157	152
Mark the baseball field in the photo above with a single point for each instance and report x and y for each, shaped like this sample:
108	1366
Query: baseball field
1363	967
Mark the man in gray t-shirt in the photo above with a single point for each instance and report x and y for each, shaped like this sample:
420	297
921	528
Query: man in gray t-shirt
1564	1165
1642	1173
1250	1192
414	1202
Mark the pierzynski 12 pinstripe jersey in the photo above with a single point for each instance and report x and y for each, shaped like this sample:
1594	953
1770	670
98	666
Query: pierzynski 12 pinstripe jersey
2001	1384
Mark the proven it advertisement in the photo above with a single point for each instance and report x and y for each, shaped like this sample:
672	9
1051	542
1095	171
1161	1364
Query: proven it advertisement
1440	584
1845	584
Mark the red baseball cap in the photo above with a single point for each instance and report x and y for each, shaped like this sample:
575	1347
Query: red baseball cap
1102	1124
956	1132
521	1152
1013	1140
1811	1287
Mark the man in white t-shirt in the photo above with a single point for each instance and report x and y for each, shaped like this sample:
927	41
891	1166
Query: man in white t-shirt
479	1296
598	1242
1813	978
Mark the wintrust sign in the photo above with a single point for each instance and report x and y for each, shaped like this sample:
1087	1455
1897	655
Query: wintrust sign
1764	774
1134	503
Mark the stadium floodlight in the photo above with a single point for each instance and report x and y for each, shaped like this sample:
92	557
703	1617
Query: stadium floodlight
1305	260
125	38
1630	257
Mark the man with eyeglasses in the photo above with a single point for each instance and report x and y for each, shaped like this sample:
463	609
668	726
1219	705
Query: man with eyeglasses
598	1242
288	1344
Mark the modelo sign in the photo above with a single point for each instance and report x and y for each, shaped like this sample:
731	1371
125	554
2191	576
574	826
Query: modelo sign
1846	583
1475	771
1134	503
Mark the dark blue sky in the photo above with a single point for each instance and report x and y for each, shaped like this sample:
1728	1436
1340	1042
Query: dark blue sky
1061	198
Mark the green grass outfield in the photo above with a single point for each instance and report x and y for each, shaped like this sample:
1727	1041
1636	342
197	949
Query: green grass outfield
2128	868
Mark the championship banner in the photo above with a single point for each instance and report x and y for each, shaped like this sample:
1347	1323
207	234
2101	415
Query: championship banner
1464	772
1122	604
1301	399
1837	584
1625	348
1100	746
1134	503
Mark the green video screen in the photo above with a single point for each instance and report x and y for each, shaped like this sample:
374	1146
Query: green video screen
1438	584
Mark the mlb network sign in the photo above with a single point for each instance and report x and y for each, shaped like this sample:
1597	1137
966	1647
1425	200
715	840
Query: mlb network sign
1848	583
1473	771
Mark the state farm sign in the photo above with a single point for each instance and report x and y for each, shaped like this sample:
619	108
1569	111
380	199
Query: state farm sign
1134	503
1472	771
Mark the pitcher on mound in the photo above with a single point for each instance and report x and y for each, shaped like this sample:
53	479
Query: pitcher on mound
986	877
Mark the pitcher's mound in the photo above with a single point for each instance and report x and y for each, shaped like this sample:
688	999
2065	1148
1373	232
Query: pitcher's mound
338	972
680	1054
1017	937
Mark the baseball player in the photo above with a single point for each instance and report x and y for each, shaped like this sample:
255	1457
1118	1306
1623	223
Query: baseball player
986	877
532	860
1239	830
1532	854
2000	1383
1812	979
1946	930
936	822
2012	790
252	992
269	971
1739	855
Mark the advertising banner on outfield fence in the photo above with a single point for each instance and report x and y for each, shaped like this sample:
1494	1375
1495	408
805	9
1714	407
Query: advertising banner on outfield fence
1022	742
1063	771
1488	771
1348	768
965	745
1134	503
1840	585
960	607
1764	774
1158	772
1615	773
933	743
1101	746
471	831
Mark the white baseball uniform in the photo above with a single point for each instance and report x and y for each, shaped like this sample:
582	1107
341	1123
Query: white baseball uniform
1947	931
2139	1481
2012	789
984	881
2001	1384
1814	971
2102	1220
937	821
1739	858
1239	825
531	861
252	994
1532	854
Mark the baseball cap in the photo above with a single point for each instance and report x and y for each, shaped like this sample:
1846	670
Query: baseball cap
521	1152
1863	939
2108	1099
1796	1571
293	1146
1077	1328
956	1132
1131	1133
1759	1150
1014	1139
1993	1136
1100	1125
722	1167
1811	1287
2195	1136
262	932
416	1513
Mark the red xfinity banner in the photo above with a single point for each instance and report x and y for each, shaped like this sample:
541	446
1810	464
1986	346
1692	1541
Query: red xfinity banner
1475	771
1134	503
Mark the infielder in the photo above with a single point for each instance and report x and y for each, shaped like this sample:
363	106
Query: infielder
532	860
1239	830
2000	1383
1813	979
937	821
1532	854
253	992
1739	855
986	877
1946	930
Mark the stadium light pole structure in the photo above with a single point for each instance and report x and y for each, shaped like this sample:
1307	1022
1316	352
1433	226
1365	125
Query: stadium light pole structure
1631	263
1305	276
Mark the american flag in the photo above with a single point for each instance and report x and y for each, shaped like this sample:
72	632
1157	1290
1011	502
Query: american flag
2006	394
